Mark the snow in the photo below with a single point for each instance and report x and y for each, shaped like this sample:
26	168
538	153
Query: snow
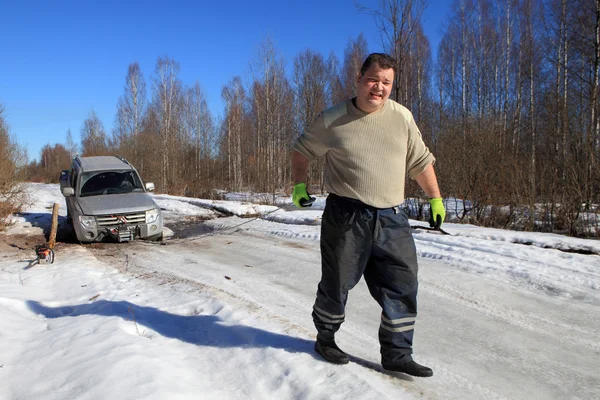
222	310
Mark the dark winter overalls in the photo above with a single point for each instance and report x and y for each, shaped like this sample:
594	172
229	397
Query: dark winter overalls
356	240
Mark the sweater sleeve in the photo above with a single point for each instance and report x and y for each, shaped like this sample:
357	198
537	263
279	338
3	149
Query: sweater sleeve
418	155
312	143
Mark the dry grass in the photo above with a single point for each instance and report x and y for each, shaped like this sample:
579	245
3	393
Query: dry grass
6	209
12	161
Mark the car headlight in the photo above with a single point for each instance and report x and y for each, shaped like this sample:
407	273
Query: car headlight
88	222
152	215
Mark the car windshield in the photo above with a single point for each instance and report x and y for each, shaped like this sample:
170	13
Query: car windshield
109	182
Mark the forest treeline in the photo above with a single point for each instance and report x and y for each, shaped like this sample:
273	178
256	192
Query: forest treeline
509	107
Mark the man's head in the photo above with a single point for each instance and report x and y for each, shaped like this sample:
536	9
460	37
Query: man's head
375	82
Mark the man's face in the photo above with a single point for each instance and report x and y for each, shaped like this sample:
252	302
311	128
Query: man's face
374	88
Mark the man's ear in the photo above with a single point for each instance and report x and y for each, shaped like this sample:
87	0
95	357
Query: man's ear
358	77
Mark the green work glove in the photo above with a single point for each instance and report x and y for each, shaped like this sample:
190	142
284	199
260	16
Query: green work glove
300	196
437	213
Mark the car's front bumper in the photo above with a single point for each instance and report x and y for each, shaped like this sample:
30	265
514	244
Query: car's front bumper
118	233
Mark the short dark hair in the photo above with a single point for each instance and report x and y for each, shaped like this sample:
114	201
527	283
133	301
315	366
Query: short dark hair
382	60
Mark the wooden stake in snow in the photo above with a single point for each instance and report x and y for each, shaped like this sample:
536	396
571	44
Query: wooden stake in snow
52	238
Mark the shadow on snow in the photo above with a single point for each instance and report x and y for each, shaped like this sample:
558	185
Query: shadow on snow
44	221
202	330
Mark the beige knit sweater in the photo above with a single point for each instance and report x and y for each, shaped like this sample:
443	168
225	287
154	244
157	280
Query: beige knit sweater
367	156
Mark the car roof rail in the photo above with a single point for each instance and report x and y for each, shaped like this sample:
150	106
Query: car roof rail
123	159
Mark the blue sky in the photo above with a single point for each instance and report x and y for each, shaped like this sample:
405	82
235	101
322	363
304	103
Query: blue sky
60	59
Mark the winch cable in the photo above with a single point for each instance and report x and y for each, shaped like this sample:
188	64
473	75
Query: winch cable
224	231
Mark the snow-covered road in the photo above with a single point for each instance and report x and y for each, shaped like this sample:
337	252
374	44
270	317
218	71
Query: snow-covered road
223	310
483	337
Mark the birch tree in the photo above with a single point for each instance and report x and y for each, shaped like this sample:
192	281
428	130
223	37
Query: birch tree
53	159
71	146
236	145
167	89
93	136
199	123
312	79
272	113
131	107
397	21
355	54
336	87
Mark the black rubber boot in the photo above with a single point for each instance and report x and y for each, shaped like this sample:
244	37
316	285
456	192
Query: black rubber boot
331	352
410	367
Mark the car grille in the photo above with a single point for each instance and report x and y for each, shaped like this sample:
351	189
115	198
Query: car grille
121	219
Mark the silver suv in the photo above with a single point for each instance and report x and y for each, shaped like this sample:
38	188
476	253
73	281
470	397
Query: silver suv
106	200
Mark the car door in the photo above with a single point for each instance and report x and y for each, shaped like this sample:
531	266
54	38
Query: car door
71	200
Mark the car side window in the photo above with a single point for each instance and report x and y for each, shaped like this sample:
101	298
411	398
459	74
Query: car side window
73	177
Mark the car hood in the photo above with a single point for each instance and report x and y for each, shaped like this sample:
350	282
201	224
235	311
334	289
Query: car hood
116	203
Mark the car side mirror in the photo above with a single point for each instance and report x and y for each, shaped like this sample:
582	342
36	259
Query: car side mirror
149	186
67	191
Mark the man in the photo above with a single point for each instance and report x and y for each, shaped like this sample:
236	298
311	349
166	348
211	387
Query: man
370	143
